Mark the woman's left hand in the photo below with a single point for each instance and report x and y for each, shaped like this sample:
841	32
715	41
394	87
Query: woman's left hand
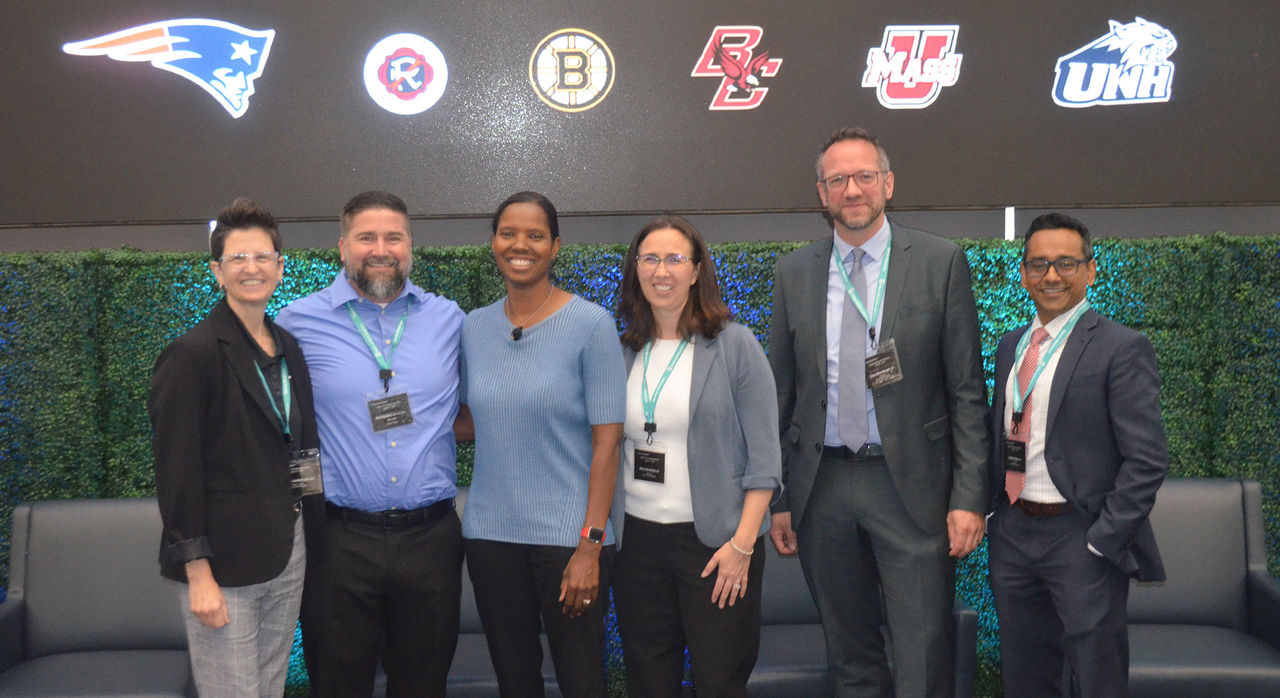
580	585
731	578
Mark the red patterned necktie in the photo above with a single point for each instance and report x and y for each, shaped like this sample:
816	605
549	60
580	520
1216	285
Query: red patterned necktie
1014	481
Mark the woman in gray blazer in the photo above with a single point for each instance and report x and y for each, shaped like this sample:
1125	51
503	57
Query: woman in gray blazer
699	465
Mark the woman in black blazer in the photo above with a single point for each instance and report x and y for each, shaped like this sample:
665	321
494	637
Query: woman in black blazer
236	466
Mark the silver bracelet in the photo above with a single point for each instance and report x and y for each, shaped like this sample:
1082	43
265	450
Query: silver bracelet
740	550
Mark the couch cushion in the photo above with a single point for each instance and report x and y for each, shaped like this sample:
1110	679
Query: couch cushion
152	673
792	662
1199	526
92	579
1166	661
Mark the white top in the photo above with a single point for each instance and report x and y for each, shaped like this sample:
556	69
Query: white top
1039	486
669	501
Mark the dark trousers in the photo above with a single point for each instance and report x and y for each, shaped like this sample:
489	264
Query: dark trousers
389	590
517	590
1054	598
867	562
664	603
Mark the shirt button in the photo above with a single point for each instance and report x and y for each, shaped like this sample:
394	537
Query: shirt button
386	341
393	478
393	444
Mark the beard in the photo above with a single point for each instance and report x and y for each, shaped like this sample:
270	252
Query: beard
380	286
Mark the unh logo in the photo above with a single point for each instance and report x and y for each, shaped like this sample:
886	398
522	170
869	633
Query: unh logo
729	56
1128	65
913	64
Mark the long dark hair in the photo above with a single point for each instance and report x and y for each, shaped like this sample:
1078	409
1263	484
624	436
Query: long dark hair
705	312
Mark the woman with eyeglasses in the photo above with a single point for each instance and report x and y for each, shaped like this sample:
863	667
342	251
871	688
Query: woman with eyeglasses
236	464
700	463
543	382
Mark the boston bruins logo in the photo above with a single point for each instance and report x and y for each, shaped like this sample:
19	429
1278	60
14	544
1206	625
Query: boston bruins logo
571	70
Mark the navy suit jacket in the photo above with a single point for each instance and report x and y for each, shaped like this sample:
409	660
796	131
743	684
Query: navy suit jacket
1105	443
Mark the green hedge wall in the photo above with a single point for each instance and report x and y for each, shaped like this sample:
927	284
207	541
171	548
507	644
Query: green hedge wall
80	332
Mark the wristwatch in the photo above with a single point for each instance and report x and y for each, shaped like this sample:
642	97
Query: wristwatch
595	535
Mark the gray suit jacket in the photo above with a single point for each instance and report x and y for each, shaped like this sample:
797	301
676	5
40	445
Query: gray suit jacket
932	422
1105	444
733	442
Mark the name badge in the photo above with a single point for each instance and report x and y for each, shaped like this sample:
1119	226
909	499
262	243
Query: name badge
390	411
1015	456
304	473
650	463
883	367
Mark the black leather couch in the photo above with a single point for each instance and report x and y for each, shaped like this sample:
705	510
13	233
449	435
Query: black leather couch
87	613
1213	628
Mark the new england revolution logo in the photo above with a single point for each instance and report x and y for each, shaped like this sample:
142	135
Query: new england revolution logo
912	65
571	70
1127	65
405	74
222	58
729	55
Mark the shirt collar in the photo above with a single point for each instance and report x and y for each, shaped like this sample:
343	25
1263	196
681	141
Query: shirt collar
341	291
874	247
1054	326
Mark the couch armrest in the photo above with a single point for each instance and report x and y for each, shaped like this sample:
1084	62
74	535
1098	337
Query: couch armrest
966	620
11	631
1264	606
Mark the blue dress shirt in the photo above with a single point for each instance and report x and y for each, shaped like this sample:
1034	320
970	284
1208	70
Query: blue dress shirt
404	467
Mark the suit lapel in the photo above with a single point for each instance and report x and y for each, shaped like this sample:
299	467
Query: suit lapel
1071	353
240	356
899	268
704	355
820	267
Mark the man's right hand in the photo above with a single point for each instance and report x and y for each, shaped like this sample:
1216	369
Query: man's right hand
784	539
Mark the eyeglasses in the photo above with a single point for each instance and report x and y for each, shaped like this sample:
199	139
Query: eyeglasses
865	178
650	262
241	259
1066	266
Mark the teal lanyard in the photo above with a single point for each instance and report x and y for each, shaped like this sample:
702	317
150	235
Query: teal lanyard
650	403
1019	395
285	394
877	296
384	361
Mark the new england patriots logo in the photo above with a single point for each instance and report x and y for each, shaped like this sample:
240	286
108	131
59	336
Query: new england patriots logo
222	58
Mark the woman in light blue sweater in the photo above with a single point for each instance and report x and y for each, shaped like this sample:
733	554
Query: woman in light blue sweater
700	464
544	382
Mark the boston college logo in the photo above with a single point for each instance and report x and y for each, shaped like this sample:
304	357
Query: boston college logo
730	55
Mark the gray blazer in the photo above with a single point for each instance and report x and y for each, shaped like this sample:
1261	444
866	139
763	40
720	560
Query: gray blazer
1105	444
733	437
933	421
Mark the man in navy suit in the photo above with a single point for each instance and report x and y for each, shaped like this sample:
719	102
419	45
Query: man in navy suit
1078	452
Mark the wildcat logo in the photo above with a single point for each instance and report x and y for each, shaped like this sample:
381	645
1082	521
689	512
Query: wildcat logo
912	65
728	56
1128	65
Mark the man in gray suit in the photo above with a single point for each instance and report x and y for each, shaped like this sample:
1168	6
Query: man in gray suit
1078	454
882	400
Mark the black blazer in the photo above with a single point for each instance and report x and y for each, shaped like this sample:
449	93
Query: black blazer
222	465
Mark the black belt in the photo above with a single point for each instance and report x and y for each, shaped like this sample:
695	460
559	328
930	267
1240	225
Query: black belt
394	518
867	452
1044	508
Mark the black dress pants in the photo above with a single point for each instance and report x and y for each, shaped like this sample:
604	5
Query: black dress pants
393	591
664	603
517	590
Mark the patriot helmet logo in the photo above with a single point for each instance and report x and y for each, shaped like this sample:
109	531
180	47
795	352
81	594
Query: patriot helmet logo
222	58
1127	65
912	65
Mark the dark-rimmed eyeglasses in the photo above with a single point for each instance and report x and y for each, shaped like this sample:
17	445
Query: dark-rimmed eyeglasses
864	178
1065	266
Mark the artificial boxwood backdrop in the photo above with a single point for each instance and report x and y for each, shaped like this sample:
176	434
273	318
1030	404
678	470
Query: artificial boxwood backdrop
80	331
